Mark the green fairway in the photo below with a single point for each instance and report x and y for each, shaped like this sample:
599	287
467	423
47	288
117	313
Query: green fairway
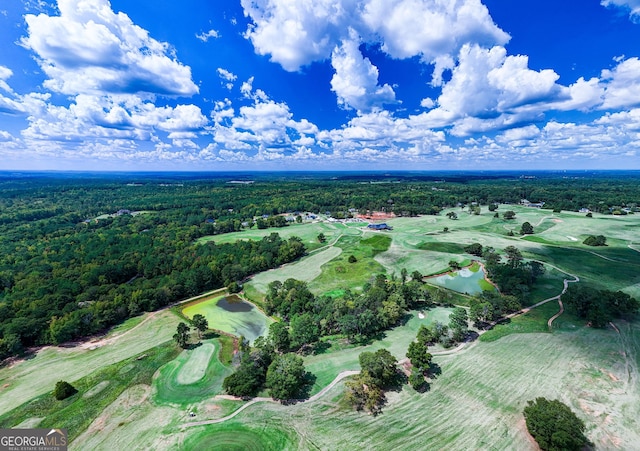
477	401
307	232
232	315
307	269
194	375
195	368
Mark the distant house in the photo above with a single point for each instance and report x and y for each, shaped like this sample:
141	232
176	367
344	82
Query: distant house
584	210
123	212
382	226
526	203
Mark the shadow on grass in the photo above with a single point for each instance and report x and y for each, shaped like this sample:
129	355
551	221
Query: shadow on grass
434	371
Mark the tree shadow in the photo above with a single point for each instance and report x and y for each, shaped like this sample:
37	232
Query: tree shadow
192	346
423	388
210	335
472	335
434	371
321	347
399	380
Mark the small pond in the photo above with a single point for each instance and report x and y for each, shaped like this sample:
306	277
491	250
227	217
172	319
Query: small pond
462	281
231	314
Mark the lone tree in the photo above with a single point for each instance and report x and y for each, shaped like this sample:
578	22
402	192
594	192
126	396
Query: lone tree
286	376
599	240
352	259
200	323
63	390
322	238
509	214
381	366
419	356
527	229
554	426
452	215
182	335
458	322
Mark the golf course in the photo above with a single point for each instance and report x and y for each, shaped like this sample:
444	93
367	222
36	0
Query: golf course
138	390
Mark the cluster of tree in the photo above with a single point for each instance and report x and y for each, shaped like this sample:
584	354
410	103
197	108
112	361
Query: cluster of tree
271	221
182	335
526	229
592	240
264	366
421	359
554	426
379	371
491	306
514	276
358	316
599	307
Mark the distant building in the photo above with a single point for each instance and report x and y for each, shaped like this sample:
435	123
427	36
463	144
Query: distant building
526	203
382	226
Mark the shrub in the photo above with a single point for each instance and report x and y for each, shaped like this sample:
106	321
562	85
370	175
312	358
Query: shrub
352	259
63	390
599	240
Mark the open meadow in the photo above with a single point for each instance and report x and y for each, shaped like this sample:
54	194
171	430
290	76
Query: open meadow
176	401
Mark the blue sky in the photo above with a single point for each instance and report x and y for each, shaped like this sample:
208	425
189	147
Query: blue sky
319	84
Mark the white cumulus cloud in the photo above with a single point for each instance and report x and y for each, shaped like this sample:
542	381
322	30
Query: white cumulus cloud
355	81
211	34
90	49
632	5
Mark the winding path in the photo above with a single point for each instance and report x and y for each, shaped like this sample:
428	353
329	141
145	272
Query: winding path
315	397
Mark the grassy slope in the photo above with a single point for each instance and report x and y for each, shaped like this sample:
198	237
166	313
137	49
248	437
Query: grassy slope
477	402
94	395
38	375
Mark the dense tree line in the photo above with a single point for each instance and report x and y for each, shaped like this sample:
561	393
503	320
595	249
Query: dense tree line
599	306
